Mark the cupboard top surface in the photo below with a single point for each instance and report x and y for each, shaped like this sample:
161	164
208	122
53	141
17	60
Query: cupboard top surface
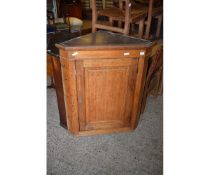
104	40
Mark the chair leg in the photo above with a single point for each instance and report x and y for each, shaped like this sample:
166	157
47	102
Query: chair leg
149	19
127	18
141	28
120	24
126	27
94	15
132	27
93	25
93	28
126	31
111	21
148	25
160	18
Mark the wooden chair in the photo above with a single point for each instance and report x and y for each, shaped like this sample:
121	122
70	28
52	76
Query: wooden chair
120	13
155	67
154	11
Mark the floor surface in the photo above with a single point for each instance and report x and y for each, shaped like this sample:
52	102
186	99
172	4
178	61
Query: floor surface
131	153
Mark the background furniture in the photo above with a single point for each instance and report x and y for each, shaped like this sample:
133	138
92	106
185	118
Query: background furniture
103	77
158	73
61	24
129	12
121	13
75	24
154	9
50	71
154	74
49	64
111	13
57	24
49	67
53	62
70	15
72	8
52	6
70	24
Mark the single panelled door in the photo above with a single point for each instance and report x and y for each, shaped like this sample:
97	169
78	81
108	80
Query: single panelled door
105	90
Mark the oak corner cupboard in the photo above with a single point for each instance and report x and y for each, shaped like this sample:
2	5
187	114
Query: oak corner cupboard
103	76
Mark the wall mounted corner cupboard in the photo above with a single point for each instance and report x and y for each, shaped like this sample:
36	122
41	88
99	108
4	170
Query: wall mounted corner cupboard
103	77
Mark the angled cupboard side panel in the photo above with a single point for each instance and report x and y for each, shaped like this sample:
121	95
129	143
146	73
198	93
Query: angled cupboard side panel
139	88
59	90
70	91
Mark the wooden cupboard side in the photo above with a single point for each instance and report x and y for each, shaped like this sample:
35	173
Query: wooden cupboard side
70	92
59	90
138	94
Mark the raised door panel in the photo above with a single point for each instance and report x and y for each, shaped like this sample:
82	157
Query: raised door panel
105	92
